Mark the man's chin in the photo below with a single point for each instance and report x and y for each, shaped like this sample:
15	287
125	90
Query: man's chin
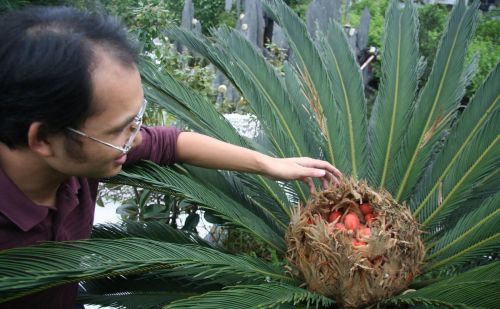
111	173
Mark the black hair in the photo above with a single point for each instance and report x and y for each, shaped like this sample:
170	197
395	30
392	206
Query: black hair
46	62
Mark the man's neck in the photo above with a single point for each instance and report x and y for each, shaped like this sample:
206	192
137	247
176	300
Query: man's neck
32	175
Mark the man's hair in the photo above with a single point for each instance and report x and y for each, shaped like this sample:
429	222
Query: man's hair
46	61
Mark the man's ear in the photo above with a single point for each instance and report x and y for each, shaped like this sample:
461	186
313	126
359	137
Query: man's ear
38	141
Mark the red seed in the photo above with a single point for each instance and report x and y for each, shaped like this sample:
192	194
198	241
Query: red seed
334	215
351	221
365	209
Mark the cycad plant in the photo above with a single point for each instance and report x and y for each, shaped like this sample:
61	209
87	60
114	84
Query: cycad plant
419	143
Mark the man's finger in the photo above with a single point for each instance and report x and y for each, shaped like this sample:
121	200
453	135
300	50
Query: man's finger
310	183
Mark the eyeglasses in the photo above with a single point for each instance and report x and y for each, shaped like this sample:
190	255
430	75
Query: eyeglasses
135	126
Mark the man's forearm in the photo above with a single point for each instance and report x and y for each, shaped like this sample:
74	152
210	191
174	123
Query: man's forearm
205	151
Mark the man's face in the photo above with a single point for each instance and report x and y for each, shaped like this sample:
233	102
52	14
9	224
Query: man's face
117	98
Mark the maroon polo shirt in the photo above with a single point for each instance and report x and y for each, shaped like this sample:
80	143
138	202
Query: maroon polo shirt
23	223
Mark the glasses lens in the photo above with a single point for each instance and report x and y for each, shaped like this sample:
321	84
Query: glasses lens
136	126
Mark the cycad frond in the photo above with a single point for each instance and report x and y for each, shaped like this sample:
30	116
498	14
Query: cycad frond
476	288
473	237
469	155
263	99
266	93
308	117
253	296
246	191
225	62
397	91
168	181
136	299
270	86
201	116
154	230
347	84
188	105
66	262
315	81
437	102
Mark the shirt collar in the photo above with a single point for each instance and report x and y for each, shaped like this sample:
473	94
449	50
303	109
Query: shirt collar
19	209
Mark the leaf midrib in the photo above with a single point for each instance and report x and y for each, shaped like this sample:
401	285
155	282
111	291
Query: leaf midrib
348	109
431	114
455	157
436	265
459	183
394	110
462	236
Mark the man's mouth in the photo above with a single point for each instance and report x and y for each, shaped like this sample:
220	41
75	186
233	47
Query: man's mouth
121	159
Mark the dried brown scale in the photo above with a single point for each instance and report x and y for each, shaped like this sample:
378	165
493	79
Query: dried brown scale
353	268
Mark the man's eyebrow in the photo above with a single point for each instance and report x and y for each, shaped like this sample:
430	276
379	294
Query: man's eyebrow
119	127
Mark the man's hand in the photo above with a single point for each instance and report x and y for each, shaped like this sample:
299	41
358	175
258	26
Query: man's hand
302	169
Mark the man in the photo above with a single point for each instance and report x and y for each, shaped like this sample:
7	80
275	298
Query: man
71	107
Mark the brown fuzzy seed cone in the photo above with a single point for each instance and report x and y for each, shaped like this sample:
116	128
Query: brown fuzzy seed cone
354	269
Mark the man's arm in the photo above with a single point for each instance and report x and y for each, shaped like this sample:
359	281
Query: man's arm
204	151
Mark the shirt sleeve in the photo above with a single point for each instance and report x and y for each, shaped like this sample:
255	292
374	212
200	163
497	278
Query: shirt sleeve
158	145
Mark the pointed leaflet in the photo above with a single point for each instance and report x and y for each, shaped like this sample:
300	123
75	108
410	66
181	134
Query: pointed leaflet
437	101
155	230
144	299
243	188
477	288
270	86
397	91
226	63
253	296
475	235
180	100
262	98
65	262
268	96
201	115
315	81
298	98
469	156
165	180
348	93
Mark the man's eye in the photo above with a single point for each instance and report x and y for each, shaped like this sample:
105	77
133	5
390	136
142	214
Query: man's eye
118	131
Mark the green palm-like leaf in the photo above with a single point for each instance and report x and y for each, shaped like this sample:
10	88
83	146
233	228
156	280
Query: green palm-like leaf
271	87
437	101
246	191
85	260
348	93
153	230
266	97
166	180
252	296
136	299
477	288
148	290
315	81
470	154
473	237
202	116
394	103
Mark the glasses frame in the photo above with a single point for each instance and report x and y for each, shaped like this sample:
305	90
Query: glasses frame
136	125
